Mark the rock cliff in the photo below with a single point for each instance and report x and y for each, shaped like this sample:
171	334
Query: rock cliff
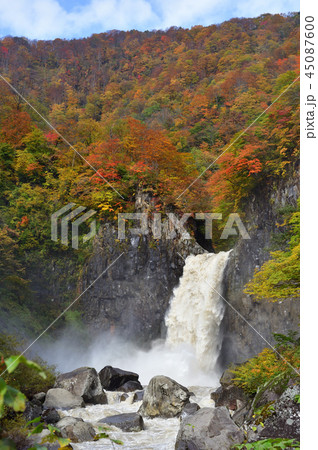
240	340
132	297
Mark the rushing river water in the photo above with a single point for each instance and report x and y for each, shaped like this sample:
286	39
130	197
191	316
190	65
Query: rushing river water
159	434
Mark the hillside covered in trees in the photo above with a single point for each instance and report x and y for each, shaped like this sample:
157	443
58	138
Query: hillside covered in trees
147	110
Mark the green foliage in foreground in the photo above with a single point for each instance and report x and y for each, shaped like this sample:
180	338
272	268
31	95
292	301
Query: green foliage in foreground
13	426
264	444
279	277
11	398
50	438
26	378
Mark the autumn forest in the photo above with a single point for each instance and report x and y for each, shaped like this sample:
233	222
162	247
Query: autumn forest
141	110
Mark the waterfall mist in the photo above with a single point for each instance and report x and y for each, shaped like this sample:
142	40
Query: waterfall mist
191	350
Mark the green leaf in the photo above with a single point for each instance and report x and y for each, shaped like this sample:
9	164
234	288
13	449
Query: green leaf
297	399
101	436
117	441
13	362
53	429
63	442
14	398
36	420
103	429
7	444
38	429
3	386
3	389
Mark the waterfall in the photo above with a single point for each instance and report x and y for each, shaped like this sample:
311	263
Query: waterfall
190	351
197	309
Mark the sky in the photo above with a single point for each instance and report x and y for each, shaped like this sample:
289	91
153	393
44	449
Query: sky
50	19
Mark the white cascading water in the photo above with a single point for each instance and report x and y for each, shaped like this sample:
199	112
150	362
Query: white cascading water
197	308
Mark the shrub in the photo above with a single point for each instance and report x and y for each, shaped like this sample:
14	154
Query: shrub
270	365
24	378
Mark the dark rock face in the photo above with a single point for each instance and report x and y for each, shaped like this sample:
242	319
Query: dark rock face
230	396
32	410
189	409
241	414
62	399
68	420
130	386
208	429
40	397
132	297
268	396
164	397
240	341
226	378
138	396
285	421
126	422
83	382
77	431
112	379
50	416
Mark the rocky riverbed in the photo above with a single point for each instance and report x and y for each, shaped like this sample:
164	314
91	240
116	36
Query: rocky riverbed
112	409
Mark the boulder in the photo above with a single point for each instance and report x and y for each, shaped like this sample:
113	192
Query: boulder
40	397
113	378
208	429
126	422
138	396
164	397
50	416
230	396
68	420
62	399
130	386
84	382
189	409
75	429
78	432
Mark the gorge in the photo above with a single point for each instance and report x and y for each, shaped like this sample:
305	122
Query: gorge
157	297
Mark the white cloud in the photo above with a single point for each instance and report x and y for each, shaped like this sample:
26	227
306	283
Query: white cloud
47	19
